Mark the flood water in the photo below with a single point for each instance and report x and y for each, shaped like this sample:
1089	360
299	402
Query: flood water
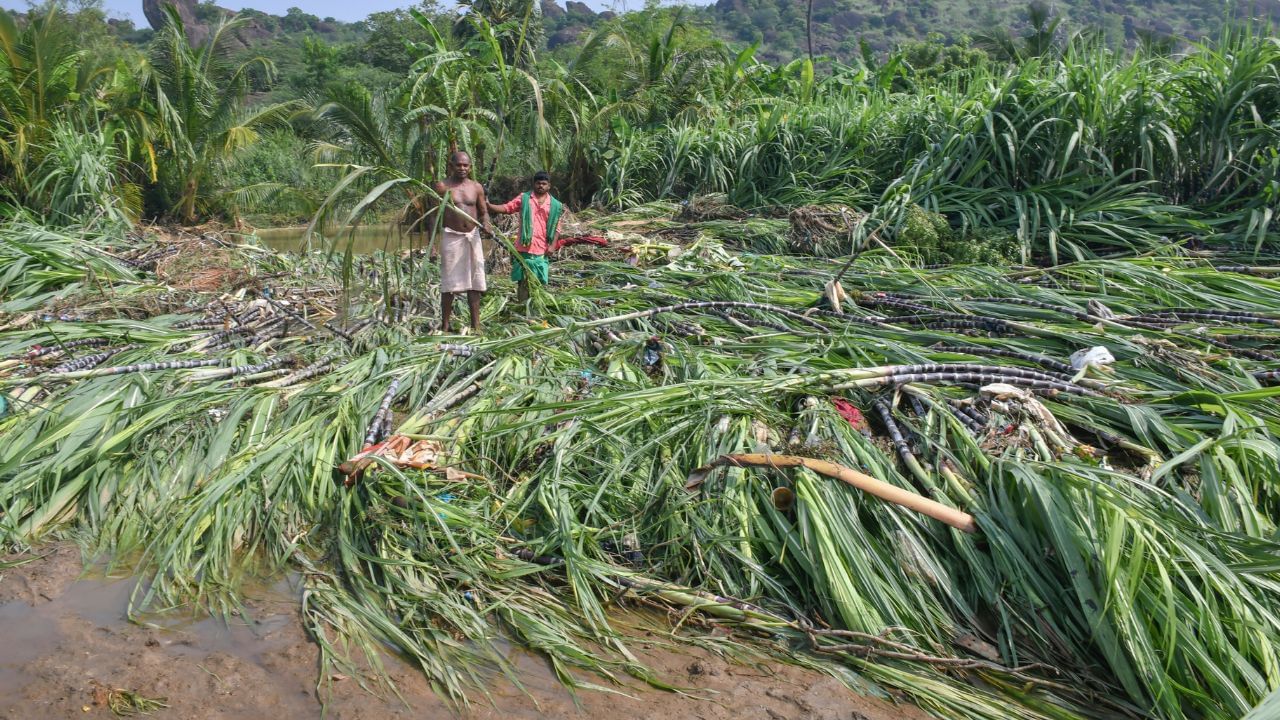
366	239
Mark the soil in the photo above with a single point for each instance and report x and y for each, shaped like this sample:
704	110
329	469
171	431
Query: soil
67	643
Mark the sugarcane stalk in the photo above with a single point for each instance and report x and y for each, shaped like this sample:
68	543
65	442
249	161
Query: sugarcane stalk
965	420
739	320
890	493
1233	350
1191	314
62	347
1046	362
1021	372
197	324
963	378
380	418
318	367
287	311
237	370
640	314
90	361
141	367
904	449
265	375
1260	270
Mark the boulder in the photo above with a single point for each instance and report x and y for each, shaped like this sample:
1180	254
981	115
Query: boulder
156	17
565	36
551	10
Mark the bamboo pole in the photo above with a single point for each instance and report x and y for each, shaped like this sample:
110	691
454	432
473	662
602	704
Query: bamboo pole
957	519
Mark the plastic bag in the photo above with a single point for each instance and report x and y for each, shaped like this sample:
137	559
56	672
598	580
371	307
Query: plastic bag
1096	355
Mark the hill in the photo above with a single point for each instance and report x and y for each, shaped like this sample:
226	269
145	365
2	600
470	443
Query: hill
840	25
840	28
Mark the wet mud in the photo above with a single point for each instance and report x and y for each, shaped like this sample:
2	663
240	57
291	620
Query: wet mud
67	643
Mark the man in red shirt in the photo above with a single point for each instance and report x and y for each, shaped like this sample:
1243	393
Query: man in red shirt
539	219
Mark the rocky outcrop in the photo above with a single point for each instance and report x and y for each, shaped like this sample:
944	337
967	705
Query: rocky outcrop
550	10
565	36
156	17
848	20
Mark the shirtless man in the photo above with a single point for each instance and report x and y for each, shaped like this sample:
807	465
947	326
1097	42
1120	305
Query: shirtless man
461	253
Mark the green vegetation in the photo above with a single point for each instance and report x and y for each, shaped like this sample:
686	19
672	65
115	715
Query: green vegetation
989	207
1125	554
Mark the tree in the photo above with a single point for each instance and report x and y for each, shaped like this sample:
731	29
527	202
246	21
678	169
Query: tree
392	34
517	24
1042	37
200	94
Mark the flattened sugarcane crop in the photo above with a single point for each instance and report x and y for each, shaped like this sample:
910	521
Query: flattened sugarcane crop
670	433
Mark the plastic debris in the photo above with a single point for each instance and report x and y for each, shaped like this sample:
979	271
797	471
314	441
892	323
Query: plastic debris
1096	355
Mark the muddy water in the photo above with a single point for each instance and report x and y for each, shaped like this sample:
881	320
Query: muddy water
65	636
365	240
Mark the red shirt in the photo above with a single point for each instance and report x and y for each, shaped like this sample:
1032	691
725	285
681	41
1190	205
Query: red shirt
541	210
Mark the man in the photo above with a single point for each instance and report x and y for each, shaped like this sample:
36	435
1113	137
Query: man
539	219
466	211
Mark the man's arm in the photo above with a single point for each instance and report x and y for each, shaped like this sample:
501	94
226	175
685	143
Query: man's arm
435	206
508	208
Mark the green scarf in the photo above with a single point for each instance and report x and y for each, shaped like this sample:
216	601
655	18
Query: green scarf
526	220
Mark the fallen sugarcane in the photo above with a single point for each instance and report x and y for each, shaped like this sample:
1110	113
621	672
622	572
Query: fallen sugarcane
567	440
138	368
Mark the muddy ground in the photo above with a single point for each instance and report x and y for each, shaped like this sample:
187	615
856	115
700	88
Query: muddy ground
66	641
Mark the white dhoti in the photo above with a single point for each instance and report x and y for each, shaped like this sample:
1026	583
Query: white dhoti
461	261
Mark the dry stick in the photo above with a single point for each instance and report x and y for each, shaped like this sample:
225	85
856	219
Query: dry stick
957	519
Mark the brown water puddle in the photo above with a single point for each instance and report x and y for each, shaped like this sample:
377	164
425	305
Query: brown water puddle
366	239
65	634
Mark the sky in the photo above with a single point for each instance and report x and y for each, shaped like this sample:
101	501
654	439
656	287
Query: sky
340	9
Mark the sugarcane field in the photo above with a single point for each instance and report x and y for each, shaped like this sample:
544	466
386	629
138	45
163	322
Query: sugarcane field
503	361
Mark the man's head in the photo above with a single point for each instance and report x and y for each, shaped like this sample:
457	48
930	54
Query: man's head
541	183
459	166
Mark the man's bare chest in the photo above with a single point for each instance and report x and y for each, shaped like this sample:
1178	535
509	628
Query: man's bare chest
463	195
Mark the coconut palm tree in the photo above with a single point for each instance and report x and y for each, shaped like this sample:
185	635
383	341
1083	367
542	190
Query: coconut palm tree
39	77
200	94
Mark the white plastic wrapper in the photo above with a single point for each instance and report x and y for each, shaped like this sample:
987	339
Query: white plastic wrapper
1096	355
